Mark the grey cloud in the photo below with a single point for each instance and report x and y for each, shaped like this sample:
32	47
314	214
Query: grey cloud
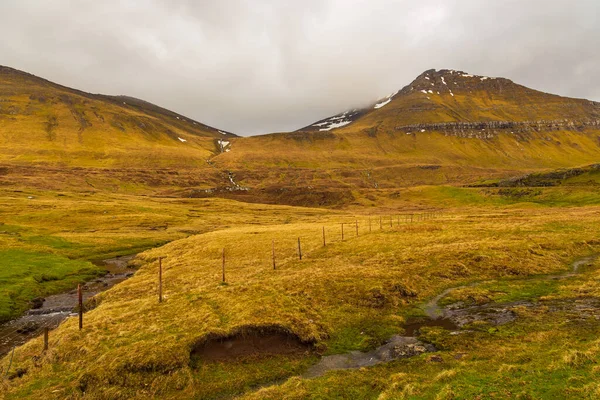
261	66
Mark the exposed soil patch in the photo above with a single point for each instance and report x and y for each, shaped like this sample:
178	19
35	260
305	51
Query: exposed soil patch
249	343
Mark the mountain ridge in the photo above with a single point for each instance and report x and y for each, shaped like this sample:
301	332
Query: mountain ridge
436	97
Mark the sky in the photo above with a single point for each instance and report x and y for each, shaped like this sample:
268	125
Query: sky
259	66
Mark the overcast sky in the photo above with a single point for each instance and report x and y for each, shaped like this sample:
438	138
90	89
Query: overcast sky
259	66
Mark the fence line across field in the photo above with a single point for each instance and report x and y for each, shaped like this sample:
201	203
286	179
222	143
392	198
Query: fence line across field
408	218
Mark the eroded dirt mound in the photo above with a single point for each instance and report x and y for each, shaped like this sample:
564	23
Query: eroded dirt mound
249	343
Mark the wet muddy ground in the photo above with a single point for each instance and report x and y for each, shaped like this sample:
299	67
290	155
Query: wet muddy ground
397	347
453	318
51	311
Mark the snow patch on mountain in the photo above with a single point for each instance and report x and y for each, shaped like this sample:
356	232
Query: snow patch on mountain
335	125
339	120
386	101
383	103
223	145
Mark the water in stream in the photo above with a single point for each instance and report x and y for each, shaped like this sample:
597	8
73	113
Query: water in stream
58	307
449	318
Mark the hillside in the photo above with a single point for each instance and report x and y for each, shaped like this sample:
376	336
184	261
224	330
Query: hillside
446	127
455	101
45	123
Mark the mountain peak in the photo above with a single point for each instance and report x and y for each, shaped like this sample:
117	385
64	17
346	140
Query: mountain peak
450	81
453	96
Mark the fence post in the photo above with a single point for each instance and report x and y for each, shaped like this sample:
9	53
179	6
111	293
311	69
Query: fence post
342	231
46	338
391	221
380	223
273	246
299	250
80	306
10	362
160	296
369	224
324	243
223	265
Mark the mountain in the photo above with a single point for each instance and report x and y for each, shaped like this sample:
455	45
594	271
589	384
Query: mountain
45	123
458	99
446	127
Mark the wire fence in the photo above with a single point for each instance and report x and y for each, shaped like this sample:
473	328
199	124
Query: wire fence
19	331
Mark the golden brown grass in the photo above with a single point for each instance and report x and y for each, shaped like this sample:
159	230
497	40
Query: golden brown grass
134	347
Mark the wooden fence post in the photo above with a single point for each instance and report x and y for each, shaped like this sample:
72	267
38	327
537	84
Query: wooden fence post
223	265
324	243
380	223
80	305
342	231
299	250
160	296
391	221
46	338
10	362
273	247
369	224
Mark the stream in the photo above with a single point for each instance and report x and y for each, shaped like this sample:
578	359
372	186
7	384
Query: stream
56	308
452	318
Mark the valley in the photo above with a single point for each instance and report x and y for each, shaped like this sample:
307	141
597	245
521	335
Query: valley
439	243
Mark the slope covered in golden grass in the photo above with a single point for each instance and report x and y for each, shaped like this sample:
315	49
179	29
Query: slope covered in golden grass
446	127
45	123
350	295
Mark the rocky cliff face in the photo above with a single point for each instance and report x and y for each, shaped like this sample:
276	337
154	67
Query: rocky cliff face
490	129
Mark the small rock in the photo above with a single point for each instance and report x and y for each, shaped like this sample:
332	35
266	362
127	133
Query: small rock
38	302
28	328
